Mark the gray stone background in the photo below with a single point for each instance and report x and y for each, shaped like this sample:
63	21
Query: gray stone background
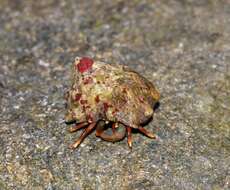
183	47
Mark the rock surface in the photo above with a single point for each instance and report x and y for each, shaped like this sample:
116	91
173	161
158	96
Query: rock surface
181	46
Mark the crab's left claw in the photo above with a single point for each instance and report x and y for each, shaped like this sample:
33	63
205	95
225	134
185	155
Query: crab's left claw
116	136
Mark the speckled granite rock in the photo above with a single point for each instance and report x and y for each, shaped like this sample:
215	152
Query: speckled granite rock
182	46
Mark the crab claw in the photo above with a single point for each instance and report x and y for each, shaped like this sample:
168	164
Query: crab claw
116	136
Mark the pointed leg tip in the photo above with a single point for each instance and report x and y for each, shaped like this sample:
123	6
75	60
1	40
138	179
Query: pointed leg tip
147	133
129	130
71	129
74	145
130	145
152	136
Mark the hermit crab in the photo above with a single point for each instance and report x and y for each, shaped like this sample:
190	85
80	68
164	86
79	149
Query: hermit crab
110	96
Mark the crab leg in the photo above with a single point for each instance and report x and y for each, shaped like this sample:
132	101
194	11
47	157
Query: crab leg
77	127
99	128
129	134
83	135
147	133
116	136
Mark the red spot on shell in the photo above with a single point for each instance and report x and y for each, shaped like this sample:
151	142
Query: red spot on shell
141	98
87	80
114	111
106	106
97	99
83	101
89	118
77	97
84	64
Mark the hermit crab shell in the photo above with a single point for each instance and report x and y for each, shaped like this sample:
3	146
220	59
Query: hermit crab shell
109	92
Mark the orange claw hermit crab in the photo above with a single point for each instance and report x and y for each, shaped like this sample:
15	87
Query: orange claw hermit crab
103	94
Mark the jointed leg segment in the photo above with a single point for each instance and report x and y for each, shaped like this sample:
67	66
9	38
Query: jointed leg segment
147	133
100	132
83	135
77	127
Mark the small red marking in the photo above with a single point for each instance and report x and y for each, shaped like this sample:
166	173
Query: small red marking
87	80
114	111
84	64
77	97
89	118
141	98
83	101
97	99
106	106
